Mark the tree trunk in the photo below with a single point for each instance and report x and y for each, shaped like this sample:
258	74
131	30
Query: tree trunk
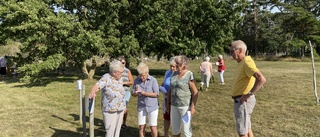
255	18
91	73
84	70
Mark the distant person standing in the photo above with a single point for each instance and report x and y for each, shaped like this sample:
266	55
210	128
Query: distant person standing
3	65
206	72
182	98
127	80
147	89
165	87
221	68
247	81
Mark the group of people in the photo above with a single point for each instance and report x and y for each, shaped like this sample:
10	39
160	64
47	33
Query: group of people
207	71
180	92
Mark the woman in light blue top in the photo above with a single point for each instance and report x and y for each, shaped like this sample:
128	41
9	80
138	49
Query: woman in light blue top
113	98
147	89
182	98
165	86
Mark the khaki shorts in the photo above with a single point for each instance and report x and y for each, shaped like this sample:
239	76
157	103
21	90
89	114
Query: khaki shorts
242	113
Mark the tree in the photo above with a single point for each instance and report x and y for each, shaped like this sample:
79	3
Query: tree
300	21
71	35
84	32
297	20
186	27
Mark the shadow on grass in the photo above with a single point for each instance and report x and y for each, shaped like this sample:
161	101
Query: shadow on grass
65	133
98	131
43	81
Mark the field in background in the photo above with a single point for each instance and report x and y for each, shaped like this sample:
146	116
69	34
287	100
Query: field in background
285	105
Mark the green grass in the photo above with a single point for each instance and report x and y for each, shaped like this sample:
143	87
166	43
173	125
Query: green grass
285	105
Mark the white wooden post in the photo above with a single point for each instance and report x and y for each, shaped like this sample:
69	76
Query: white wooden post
314	75
91	118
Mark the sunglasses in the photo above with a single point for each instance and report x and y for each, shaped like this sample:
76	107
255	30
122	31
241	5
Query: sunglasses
123	62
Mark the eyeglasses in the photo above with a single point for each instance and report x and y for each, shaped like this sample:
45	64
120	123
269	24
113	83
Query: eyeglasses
232	50
145	75
120	72
123	62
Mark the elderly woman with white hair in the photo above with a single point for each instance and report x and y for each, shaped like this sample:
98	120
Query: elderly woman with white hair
147	89
206	72
221	68
113	98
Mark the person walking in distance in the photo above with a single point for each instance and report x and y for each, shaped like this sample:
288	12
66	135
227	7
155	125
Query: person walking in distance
206	72
247	81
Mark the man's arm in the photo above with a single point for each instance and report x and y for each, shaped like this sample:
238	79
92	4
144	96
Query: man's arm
260	80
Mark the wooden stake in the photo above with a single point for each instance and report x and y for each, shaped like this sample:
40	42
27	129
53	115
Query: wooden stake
314	75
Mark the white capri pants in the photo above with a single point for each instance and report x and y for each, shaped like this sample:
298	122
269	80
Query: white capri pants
176	121
152	117
221	76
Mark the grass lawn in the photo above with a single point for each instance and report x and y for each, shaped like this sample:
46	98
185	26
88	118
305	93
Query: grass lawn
285	105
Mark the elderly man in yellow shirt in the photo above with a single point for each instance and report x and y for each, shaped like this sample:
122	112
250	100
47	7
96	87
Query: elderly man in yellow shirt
248	80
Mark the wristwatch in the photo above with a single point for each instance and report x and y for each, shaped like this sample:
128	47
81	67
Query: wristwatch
250	93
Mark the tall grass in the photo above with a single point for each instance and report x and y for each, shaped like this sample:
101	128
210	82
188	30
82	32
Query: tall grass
285	105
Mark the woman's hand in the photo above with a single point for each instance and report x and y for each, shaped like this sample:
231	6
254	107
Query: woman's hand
94	89
192	110
134	93
92	95
125	110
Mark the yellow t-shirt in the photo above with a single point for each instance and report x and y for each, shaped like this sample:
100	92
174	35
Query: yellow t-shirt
244	80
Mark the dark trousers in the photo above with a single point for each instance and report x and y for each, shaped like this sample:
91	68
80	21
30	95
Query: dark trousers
3	71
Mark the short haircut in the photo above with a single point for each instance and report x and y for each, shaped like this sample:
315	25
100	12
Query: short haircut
220	56
115	66
142	68
172	61
182	60
207	58
239	44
